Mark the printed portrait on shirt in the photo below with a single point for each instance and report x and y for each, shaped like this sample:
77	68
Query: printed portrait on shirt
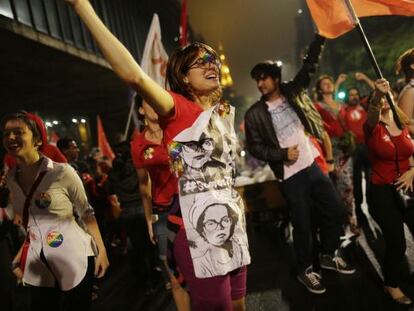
213	212
216	237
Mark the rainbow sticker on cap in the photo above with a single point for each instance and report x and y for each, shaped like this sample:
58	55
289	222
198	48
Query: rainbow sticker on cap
54	239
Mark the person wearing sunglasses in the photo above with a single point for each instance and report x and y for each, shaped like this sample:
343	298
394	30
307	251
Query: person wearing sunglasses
191	107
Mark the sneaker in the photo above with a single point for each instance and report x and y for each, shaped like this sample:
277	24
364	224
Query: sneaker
336	263
312	281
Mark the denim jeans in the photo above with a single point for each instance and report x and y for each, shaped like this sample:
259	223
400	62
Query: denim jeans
306	192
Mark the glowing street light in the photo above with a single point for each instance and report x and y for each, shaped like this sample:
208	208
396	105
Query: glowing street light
75	120
341	95
48	124
83	121
55	122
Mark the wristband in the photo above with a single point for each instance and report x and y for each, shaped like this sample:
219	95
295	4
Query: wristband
330	161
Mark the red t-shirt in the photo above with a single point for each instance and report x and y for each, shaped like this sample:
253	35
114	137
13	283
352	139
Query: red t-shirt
154	158
332	123
354	120
184	115
383	150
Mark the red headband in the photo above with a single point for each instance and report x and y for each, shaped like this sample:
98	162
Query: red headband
40	126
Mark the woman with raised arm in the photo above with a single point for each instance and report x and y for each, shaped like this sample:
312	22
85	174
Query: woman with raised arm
59	258
199	133
390	151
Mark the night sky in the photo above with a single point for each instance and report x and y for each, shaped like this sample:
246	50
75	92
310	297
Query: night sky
250	31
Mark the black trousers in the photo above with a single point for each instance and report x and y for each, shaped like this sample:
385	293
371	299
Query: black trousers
387	209
76	299
7	279
360	164
307	192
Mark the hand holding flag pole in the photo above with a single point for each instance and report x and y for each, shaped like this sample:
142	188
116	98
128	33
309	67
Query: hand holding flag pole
372	58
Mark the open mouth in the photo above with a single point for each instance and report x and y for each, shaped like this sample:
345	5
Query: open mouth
211	76
12	147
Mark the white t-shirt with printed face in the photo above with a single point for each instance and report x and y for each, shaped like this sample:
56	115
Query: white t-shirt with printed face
291	132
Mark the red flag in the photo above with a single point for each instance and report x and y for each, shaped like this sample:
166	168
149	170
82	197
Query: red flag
103	143
183	24
333	18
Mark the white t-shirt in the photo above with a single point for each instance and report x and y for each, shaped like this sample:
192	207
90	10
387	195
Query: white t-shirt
291	132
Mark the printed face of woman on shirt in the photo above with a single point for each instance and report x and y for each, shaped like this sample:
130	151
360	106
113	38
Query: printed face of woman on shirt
197	153
18	138
217	224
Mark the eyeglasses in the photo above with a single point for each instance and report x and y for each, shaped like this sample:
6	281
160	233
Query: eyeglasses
205	59
205	144
212	225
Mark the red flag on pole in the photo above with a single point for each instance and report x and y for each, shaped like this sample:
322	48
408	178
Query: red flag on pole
103	143
333	19
183	24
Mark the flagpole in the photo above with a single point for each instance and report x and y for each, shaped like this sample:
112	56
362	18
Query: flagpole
131	110
372	58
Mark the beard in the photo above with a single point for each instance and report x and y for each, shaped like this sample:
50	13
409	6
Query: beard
353	102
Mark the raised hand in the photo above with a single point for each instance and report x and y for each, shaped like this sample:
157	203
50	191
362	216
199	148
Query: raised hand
382	86
341	78
360	76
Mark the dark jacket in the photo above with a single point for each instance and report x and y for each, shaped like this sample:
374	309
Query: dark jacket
261	137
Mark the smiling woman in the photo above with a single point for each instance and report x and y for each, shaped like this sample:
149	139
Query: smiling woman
188	113
47	196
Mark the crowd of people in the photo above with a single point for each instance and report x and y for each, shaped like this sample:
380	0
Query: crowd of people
173	185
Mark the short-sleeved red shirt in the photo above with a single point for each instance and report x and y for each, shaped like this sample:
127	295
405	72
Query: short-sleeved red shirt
354	120
384	149
154	158
184	115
